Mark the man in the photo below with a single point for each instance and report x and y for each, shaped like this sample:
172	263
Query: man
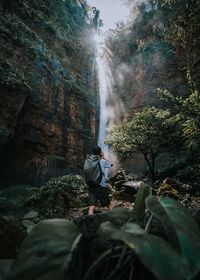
100	193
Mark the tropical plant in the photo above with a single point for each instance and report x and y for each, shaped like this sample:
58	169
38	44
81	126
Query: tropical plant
47	251
139	205
178	259
187	114
149	132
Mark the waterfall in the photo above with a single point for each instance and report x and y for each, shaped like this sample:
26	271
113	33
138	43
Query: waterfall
112	109
111	105
103	81
103	95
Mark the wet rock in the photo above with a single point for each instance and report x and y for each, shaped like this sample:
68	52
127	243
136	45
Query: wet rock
180	187
165	189
125	186
30	219
29	225
118	179
131	186
31	215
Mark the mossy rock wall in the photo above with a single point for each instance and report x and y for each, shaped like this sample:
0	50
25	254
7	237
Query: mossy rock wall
48	100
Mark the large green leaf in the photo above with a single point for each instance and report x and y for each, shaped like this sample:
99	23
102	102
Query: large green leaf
46	252
187	230
155	253
140	206
159	212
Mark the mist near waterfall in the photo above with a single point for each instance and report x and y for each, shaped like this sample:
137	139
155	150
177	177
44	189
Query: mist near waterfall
112	108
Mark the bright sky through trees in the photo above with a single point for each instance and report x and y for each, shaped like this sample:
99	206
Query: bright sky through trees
111	12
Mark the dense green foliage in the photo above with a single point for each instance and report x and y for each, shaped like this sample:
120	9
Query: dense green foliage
58	196
160	49
50	245
149	132
188	116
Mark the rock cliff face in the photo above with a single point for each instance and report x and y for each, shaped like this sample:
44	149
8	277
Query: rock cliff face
142	61
48	102
139	70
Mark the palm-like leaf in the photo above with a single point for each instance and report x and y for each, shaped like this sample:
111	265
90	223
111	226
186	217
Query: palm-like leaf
187	230
156	254
140	206
159	212
46	253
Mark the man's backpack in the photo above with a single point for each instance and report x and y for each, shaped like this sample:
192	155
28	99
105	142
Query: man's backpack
92	170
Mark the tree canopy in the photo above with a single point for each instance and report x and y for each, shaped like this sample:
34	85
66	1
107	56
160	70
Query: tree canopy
150	132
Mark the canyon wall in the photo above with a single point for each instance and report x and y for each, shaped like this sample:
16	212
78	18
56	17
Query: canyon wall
48	99
143	61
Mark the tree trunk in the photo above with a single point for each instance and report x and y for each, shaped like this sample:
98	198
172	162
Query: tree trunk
151	165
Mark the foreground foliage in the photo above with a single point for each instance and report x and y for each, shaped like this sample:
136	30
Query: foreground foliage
56	247
48	249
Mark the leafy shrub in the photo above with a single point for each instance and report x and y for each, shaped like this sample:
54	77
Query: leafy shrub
59	193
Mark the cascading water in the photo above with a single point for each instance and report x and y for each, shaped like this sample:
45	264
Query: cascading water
103	94
110	105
